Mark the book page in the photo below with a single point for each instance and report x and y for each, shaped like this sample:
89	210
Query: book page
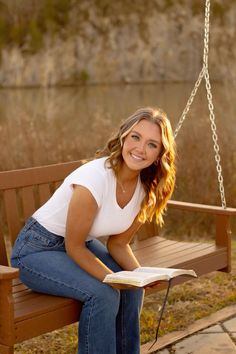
170	272
134	278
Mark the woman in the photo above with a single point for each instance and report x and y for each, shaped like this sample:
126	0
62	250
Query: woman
58	253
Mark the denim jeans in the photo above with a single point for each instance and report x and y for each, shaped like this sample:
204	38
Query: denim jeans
109	322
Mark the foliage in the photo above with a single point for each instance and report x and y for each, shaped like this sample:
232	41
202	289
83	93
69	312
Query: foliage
25	23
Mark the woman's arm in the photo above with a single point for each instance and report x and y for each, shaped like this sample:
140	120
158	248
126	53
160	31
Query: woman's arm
119	248
81	213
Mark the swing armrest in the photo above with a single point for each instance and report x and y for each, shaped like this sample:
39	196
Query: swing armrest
8	272
203	208
222	252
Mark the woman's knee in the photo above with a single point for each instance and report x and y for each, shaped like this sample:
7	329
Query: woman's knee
108	298
133	297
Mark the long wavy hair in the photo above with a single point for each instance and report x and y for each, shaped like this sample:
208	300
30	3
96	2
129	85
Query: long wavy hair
159	178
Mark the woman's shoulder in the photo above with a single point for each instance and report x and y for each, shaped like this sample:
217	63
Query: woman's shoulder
96	164
94	169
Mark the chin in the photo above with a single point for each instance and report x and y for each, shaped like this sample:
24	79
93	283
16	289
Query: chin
137	166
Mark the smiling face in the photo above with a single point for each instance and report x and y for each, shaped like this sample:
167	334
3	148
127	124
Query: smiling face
142	145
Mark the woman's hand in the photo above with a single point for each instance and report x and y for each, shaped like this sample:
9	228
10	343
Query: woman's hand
122	286
152	286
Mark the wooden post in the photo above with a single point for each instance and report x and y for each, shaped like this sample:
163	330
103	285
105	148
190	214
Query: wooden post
3	251
147	230
223	237
6	313
6	349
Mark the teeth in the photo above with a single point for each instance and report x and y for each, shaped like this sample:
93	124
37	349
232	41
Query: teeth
137	157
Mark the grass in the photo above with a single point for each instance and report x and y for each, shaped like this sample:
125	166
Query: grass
187	303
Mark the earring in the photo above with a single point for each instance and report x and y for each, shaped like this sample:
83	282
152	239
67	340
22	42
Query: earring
156	162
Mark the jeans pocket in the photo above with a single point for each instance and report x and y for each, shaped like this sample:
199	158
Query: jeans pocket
44	242
33	241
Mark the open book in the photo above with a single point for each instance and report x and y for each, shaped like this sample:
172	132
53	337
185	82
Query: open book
146	275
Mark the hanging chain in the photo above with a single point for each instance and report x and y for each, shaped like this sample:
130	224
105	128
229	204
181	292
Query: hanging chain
205	73
190	101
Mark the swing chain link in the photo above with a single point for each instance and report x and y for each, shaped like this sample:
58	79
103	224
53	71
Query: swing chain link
190	101
205	73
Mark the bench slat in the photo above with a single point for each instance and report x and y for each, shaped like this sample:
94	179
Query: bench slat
3	250
57	185
24	296
36	175
28	201
38	305
151	241
18	288
211	209
48	321
12	213
181	258
44	193
165	248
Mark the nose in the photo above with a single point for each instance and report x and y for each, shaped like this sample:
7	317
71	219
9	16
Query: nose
141	147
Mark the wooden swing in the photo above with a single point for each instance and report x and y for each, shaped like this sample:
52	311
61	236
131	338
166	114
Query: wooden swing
203	257
25	314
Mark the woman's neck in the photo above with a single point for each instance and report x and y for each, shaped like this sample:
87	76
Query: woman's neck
126	175
126	184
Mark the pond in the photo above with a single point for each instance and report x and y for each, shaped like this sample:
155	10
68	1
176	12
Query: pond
44	126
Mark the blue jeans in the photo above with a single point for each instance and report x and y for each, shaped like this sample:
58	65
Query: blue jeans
109	322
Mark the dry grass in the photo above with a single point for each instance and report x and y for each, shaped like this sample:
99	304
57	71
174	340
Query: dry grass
188	302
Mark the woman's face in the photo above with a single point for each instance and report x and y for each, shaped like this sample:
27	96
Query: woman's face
142	146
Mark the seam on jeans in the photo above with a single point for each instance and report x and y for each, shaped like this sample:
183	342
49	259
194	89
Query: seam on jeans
29	223
53	280
123	327
88	326
22	246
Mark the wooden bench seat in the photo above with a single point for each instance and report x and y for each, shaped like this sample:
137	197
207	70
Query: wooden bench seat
34	310
202	257
25	314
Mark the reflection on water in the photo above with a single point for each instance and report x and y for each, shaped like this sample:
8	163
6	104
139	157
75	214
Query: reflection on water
41	127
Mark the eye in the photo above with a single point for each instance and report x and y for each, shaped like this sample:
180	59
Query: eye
152	145
135	137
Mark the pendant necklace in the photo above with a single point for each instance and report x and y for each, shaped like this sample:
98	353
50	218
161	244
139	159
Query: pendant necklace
121	186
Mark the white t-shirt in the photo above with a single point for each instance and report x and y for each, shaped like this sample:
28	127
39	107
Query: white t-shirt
101	182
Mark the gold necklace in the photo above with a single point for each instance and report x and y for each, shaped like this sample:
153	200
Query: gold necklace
124	190
121	186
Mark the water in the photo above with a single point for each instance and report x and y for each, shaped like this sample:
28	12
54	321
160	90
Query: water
44	126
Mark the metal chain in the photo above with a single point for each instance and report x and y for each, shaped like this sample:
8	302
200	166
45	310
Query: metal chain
190	101
205	73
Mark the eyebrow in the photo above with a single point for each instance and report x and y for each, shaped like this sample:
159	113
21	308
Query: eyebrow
151	140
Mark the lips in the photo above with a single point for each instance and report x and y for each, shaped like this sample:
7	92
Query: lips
136	158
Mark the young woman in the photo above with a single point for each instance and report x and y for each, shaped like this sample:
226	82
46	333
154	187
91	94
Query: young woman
57	251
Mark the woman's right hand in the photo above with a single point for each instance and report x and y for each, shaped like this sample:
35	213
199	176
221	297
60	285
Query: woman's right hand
122	286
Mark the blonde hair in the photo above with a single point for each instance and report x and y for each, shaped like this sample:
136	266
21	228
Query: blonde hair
158	179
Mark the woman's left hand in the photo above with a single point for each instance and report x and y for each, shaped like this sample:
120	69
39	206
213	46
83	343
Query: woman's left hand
152	286
122	286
